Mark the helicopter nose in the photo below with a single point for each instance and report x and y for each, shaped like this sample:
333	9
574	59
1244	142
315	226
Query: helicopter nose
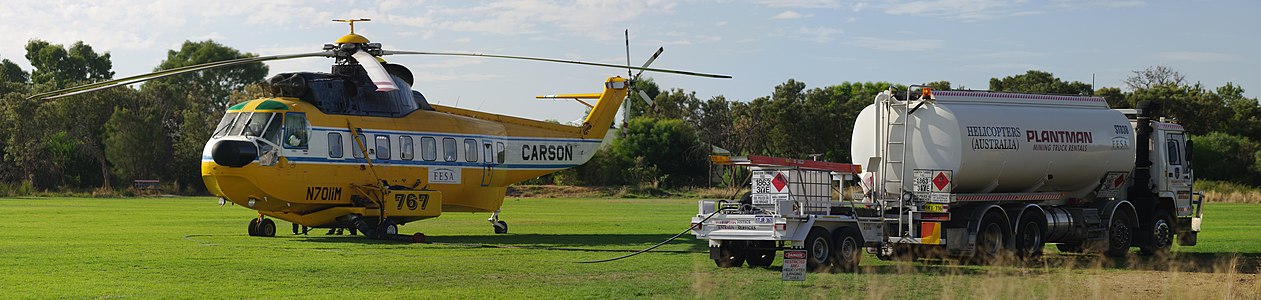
234	153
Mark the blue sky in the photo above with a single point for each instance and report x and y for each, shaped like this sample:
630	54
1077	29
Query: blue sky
760	43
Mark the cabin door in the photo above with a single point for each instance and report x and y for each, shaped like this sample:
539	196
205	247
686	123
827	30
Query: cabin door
488	162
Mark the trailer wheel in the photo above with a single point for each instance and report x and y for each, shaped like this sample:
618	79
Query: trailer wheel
849	249
991	239
818	249
1031	237
1120	234
731	255
1161	239
760	253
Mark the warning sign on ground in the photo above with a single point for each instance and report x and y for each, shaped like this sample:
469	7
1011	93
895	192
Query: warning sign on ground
794	265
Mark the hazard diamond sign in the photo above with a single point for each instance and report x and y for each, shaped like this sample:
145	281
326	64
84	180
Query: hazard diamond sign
941	181
780	182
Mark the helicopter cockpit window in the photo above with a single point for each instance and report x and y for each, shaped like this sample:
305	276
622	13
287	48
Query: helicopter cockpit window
225	124
272	131
295	130
252	125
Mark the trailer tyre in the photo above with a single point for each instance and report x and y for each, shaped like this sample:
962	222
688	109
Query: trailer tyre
731	255
1120	234
1030	238
849	249
760	253
991	239
818	249
1161	239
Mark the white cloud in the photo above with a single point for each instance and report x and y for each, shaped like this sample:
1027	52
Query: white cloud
799	3
963	10
896	45
1007	55
789	15
817	34
1199	57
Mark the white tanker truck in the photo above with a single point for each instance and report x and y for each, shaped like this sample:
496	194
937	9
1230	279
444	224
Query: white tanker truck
973	175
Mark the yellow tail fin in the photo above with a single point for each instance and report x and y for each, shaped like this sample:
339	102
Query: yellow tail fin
605	110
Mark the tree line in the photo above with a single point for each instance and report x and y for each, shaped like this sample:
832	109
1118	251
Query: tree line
106	139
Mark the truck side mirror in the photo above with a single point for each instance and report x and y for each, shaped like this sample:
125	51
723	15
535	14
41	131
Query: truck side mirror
1190	151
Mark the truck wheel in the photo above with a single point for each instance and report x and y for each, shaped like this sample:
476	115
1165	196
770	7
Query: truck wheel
760	253
1161	238
731	255
849	249
1030	239
818	249
991	239
1120	235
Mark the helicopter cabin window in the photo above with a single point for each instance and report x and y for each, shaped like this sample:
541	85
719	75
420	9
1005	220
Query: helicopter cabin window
295	130
499	153
406	151
448	149
355	147
225	124
428	149
335	144
470	150
383	147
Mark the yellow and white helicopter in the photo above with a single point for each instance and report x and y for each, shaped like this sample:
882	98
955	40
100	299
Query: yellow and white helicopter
357	148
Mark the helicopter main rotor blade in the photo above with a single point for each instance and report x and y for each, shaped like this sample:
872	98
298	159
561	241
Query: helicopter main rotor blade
92	87
680	72
375	71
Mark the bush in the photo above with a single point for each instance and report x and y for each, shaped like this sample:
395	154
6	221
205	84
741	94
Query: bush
1220	156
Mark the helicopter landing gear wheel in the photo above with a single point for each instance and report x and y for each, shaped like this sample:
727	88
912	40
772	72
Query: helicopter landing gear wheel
266	228
386	229
253	227
500	227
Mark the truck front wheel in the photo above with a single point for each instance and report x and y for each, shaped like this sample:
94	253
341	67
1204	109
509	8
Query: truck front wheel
1161	238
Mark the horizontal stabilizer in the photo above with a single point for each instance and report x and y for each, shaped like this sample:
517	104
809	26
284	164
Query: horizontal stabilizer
570	96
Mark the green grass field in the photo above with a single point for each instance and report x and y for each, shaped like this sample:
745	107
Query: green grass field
193	248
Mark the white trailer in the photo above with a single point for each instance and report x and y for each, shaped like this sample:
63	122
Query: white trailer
791	203
980	175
